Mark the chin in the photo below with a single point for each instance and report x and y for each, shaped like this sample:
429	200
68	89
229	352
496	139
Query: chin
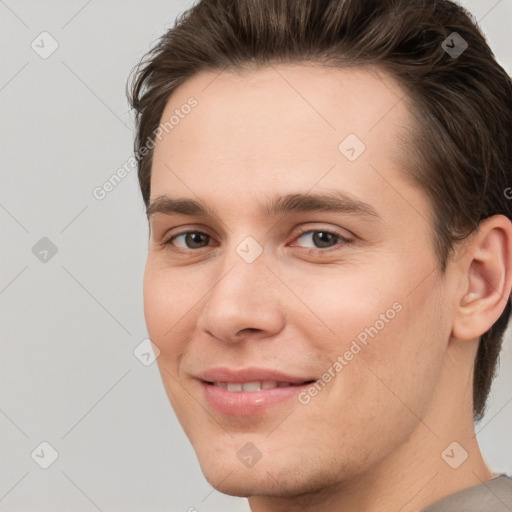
277	478
244	483
233	479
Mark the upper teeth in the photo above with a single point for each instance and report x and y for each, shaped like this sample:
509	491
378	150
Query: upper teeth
251	386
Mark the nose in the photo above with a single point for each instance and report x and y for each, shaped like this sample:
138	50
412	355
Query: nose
243	303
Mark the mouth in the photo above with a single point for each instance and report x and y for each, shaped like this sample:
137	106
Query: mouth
251	387
249	392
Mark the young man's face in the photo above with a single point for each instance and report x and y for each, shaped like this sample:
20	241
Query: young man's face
352	299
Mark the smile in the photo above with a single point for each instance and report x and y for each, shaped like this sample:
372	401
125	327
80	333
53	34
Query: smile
251	386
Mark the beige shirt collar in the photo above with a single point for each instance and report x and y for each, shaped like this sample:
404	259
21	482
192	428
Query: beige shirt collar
495	495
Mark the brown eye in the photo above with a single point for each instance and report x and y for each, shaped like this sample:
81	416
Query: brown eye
189	240
322	239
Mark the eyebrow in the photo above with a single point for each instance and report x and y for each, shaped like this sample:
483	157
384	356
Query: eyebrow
335	201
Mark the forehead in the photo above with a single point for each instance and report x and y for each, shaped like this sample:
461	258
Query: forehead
281	125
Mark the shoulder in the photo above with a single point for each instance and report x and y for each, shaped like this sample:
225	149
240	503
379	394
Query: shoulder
495	495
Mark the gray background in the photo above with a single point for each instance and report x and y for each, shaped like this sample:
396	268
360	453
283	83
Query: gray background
69	325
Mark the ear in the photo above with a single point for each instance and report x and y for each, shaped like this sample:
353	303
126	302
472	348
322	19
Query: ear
486	278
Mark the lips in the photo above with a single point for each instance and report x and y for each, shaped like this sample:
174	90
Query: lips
253	374
252	386
249	391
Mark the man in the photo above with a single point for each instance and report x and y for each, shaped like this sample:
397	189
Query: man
330	255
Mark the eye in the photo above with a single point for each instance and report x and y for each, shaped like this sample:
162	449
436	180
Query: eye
317	241
322	239
189	240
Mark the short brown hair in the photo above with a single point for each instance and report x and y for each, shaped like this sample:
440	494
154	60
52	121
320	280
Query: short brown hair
462	103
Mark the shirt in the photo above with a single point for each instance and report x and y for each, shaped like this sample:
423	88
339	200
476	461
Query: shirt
495	495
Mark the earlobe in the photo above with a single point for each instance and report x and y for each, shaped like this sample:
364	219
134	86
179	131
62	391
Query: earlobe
486	270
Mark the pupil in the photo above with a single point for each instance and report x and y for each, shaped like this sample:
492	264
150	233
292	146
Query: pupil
317	238
194	238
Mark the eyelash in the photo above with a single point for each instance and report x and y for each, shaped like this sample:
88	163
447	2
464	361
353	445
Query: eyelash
310	251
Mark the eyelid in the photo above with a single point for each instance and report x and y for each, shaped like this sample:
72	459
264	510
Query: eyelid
166	240
184	230
348	237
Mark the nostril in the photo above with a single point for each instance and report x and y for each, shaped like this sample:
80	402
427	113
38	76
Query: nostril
247	329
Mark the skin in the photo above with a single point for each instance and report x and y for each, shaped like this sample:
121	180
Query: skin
372	439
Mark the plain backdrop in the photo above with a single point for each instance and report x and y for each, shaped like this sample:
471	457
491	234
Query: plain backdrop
72	266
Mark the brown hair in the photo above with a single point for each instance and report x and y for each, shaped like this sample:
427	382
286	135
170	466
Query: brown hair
462	103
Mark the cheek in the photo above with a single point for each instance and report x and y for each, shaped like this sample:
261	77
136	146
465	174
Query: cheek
396	372
343	304
388	341
166	303
167	299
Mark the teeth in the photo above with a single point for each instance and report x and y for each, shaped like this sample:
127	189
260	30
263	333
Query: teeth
251	386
